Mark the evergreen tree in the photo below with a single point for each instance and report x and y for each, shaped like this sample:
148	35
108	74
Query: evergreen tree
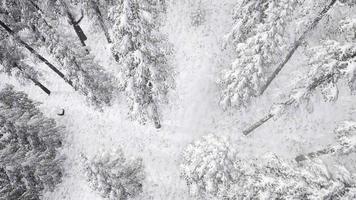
208	166
345	135
29	143
101	13
141	51
212	170
259	38
276	178
81	71
13	64
113	176
329	62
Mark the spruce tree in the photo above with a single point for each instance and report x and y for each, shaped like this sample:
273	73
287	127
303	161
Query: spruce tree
329	62
213	170
142	52
114	176
13	64
30	163
259	39
39	19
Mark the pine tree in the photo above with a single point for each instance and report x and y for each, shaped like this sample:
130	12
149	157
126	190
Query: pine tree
29	143
113	176
213	170
276	178
345	135
329	62
81	70
141	51
13	64
208	166
259	39
100	12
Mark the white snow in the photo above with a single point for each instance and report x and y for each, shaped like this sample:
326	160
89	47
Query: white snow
194	110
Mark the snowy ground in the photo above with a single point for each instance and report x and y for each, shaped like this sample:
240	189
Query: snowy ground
193	112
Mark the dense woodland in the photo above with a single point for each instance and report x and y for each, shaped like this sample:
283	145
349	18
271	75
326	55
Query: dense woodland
186	99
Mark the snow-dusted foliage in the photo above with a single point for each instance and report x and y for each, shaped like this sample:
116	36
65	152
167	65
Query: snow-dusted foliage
29	142
198	16
42	23
114	176
142	54
329	62
275	178
12	61
213	171
346	137
208	166
259	39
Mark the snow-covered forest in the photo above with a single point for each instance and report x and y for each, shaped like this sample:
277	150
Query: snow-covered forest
177	99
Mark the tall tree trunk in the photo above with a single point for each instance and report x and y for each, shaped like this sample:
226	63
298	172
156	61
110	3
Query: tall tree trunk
35	81
329	150
155	116
312	86
75	24
102	24
99	16
295	46
28	47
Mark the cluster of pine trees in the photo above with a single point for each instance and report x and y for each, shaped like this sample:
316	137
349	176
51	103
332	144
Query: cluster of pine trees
261	37
132	30
49	33
30	162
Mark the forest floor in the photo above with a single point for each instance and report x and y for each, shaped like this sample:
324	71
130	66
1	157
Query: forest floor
194	111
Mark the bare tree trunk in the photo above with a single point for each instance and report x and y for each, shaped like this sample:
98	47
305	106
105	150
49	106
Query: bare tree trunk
35	81
312	86
155	115
329	150
257	124
28	47
99	16
75	23
296	45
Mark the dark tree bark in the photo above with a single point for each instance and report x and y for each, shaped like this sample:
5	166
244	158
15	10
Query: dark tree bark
35	81
75	23
296	45
34	52
155	117
329	150
312	86
99	16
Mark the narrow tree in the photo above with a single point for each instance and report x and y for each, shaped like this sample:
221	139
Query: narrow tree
295	46
345	135
12	62
75	23
329	62
141	51
259	39
80	70
99	11
35	53
30	163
